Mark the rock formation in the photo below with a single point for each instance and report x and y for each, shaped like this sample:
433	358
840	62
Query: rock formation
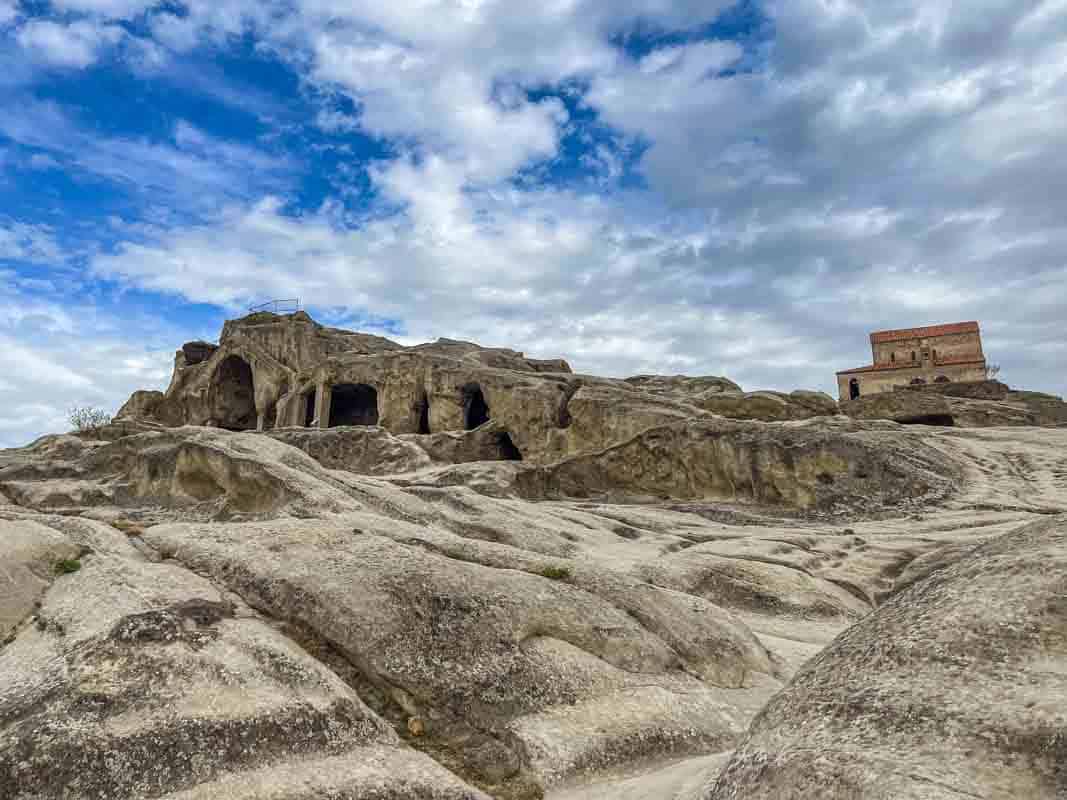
505	580
971	662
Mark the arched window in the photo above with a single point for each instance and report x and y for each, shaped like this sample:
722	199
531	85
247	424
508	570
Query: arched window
854	389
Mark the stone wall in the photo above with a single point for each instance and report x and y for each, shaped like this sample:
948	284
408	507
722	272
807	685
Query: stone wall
952	346
887	380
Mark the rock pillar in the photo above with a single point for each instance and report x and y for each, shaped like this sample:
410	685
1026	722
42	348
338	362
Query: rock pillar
322	404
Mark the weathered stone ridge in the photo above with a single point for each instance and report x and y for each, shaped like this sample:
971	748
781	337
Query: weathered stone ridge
279	371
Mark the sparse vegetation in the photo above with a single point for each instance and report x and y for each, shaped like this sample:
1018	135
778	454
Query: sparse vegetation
67	566
85	419
555	573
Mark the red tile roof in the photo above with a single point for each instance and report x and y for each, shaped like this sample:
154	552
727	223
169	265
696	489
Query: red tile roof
941	362
880	337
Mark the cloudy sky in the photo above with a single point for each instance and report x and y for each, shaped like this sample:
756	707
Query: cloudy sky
674	186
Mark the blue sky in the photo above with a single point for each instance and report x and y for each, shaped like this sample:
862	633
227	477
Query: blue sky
637	185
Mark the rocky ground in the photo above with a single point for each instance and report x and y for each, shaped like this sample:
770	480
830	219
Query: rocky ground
708	609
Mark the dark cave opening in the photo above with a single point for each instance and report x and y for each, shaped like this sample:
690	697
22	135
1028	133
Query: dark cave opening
353	404
422	408
234	403
940	420
508	450
475	409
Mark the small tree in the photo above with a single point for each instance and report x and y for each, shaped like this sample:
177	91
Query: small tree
85	419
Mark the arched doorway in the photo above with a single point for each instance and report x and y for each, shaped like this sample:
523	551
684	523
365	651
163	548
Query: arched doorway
854	389
234	397
475	409
353	404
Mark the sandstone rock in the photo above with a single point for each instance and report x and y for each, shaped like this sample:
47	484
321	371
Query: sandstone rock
725	398
363	450
683	386
1048	409
754	462
197	352
139	680
338	594
29	553
770	405
955	688
473	650
141	405
909	408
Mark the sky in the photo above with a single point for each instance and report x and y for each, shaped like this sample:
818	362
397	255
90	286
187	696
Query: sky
639	186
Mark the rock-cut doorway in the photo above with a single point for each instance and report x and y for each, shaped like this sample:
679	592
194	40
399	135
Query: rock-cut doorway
234	396
353	404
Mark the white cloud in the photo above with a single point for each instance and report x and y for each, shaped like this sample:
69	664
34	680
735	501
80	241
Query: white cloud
549	272
76	44
46	374
35	244
8	11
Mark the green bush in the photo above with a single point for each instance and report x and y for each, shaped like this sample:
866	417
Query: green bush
556	573
67	566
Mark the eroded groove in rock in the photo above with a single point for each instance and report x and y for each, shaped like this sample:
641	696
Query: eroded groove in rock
456	636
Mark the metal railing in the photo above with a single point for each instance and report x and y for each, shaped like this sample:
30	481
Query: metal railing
290	306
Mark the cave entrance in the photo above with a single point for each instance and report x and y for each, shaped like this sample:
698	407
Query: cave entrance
234	405
422	412
309	408
353	404
508	450
940	420
475	409
854	389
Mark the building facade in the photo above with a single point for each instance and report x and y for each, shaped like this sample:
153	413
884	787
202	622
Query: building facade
917	356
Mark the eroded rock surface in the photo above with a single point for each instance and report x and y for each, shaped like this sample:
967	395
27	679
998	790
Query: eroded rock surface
953	689
491	577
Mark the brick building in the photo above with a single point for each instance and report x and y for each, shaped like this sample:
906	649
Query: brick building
916	356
